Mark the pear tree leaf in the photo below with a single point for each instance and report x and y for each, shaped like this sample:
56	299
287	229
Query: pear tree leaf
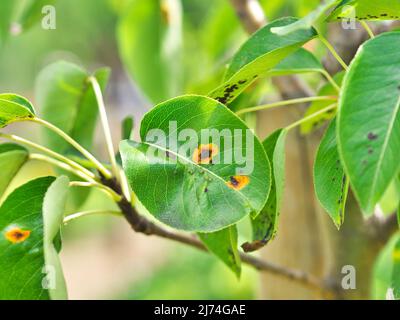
330	181
150	39
258	55
14	108
30	221
32	12
302	61
67	100
308	21
367	10
265	225
12	158
198	167
224	245
369	119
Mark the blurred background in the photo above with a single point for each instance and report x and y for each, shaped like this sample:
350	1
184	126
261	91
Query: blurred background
102	256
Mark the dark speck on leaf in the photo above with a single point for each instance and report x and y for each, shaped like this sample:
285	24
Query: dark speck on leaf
372	136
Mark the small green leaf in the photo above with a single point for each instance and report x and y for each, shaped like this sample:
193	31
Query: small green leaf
12	158
30	221
367	10
67	100
302	61
150	39
265	224
194	183
369	119
32	12
224	244
127	127
330	181
14	108
308	21
258	55
318	121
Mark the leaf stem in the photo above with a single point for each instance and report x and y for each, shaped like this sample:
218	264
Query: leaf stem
285	103
105	124
116	197
330	79
75	144
333	51
78	215
51	153
368	29
311	116
62	165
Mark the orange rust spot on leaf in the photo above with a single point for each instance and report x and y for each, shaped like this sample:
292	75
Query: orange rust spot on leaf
17	235
204	153
238	182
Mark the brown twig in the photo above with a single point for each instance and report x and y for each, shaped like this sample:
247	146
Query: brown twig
141	224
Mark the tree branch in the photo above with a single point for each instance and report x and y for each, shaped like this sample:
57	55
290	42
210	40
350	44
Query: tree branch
142	225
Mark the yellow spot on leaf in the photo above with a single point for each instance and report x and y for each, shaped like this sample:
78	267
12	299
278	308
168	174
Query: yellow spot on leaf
204	153
17	235
238	182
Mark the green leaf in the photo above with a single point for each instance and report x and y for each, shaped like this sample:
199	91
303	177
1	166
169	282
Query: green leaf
67	100
367	10
396	271
32	12
308	21
150	39
302	61
369	119
318	121
258	55
265	224
383	271
224	244
330	181
30	221
12	158
127	127
14	108
201	191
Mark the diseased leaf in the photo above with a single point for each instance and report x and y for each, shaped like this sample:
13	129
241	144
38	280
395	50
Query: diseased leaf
224	244
30	221
308	21
150	39
318	121
258	55
367	10
205	184
330	181
67	100
12	158
369	119
14	108
266	223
